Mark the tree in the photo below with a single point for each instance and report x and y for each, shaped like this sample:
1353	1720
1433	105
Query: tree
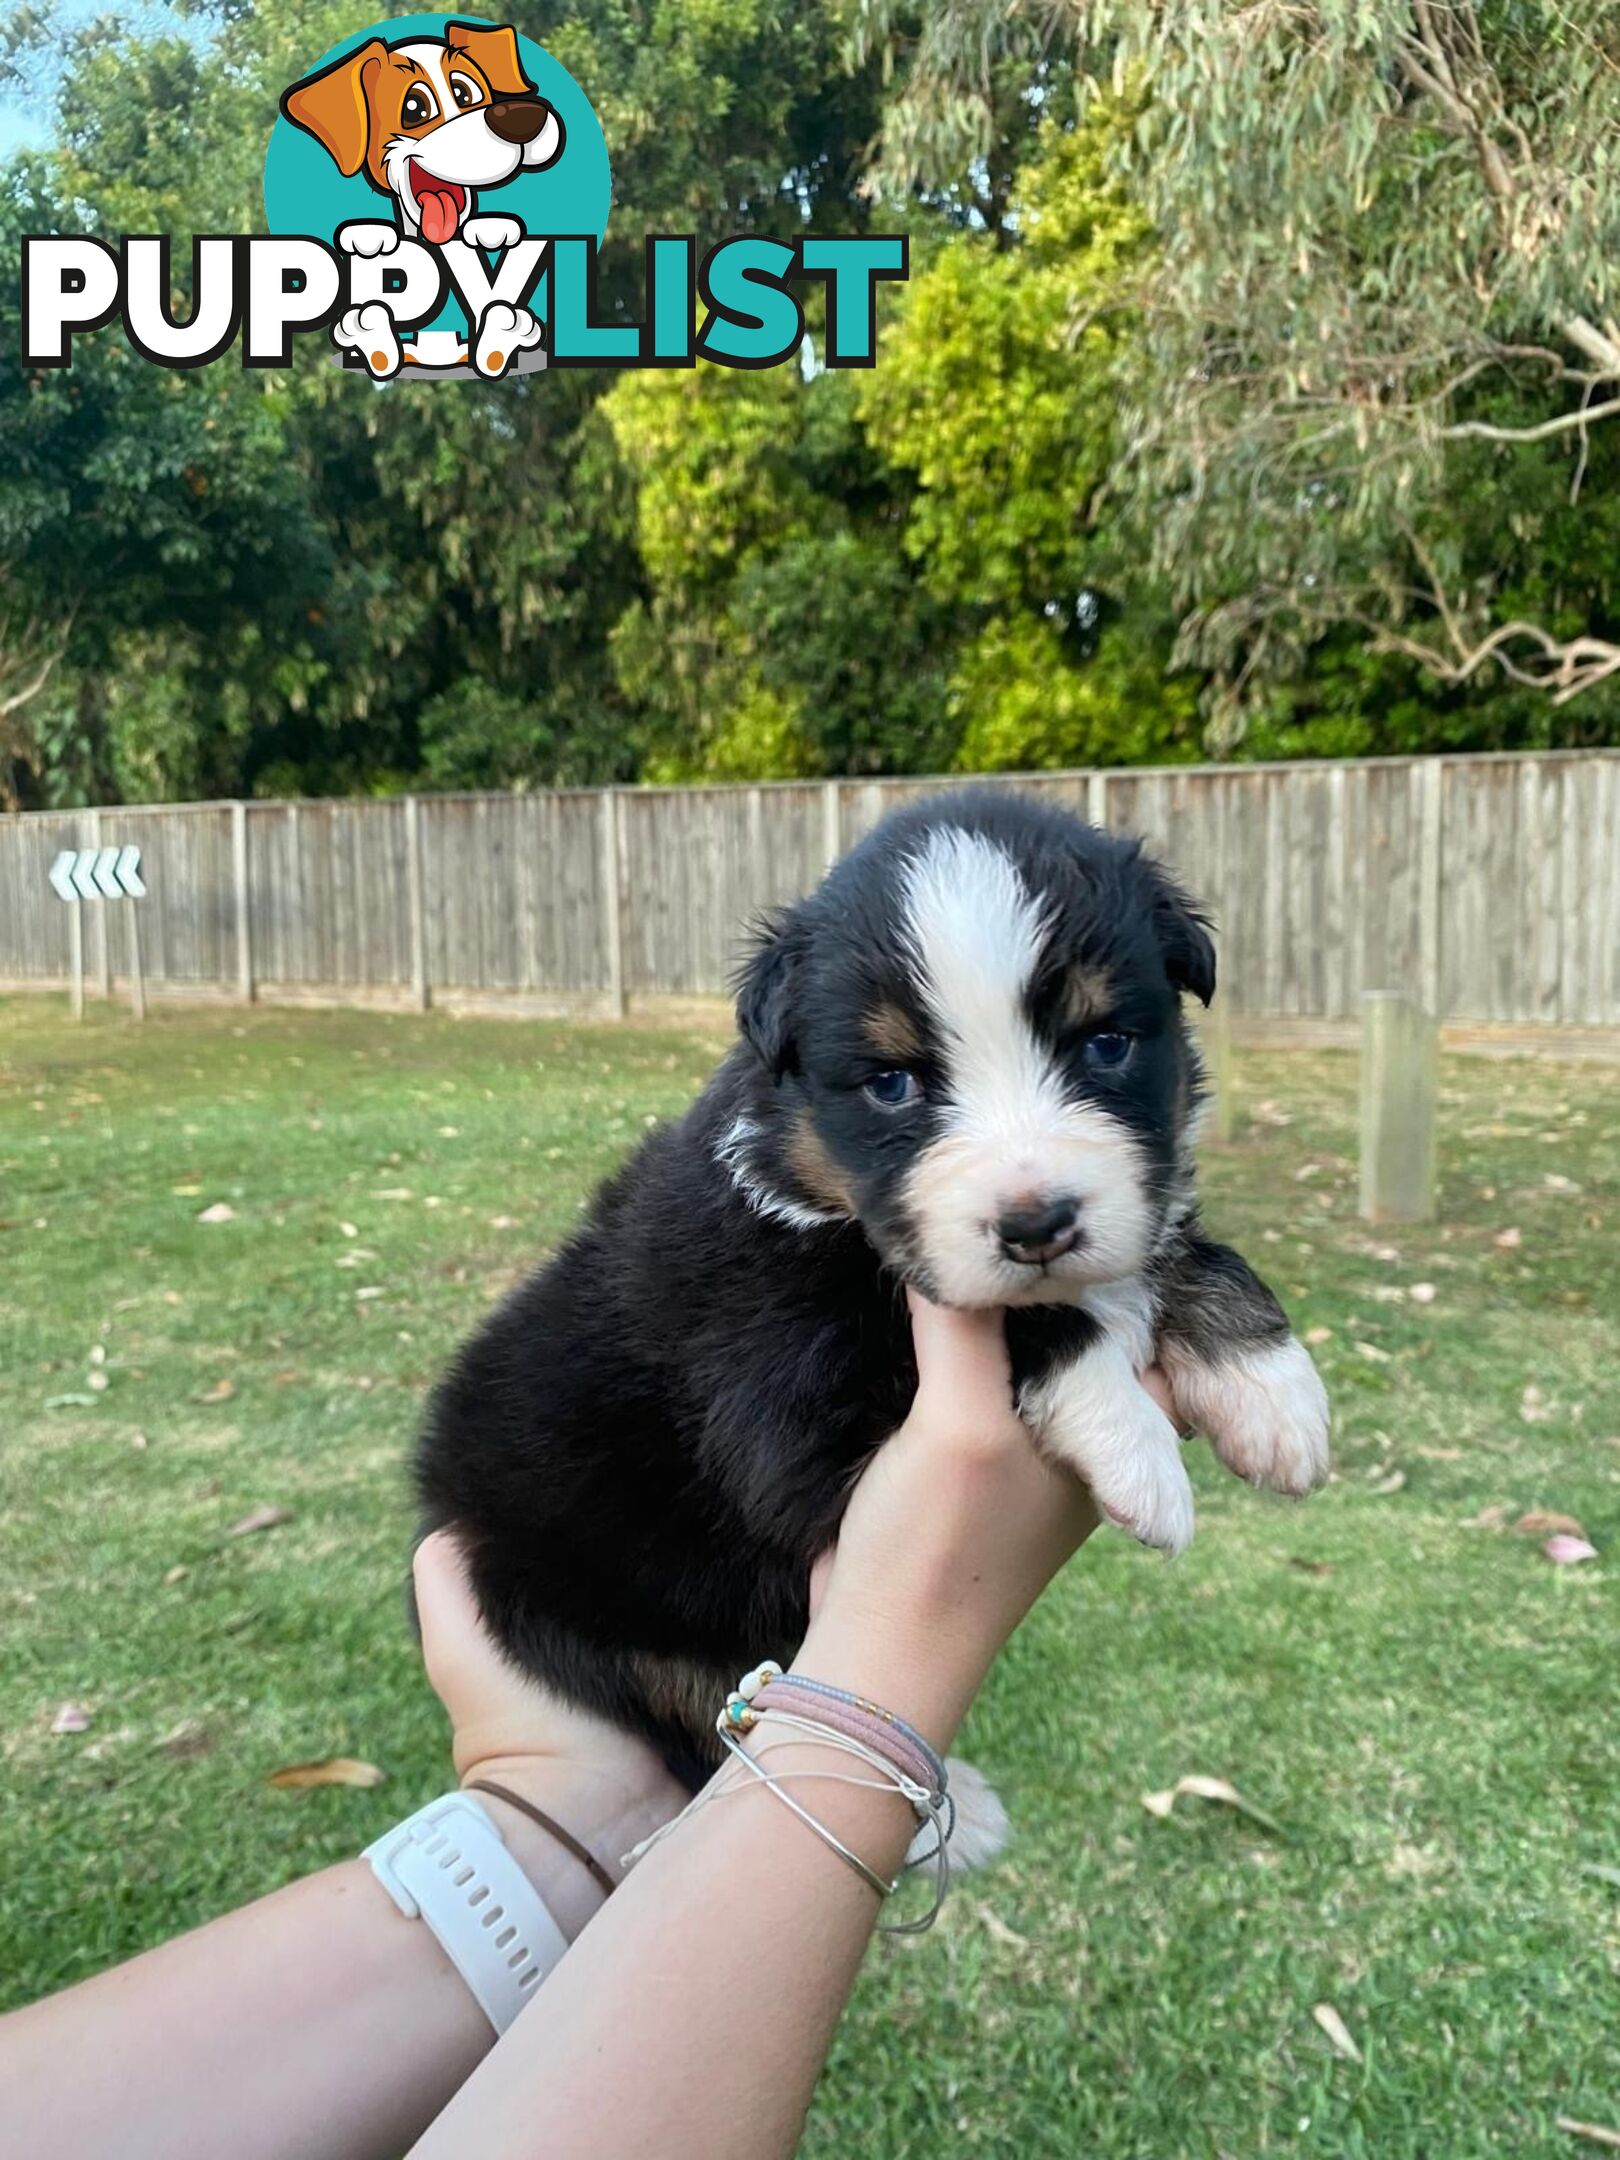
1386	286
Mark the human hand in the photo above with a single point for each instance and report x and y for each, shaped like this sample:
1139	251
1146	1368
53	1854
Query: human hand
953	1531
604	1785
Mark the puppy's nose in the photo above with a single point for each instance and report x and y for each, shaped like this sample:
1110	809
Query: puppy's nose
517	120
1043	1231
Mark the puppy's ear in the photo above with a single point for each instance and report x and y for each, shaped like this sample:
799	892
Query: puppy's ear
494	52
335	107
1184	939
767	991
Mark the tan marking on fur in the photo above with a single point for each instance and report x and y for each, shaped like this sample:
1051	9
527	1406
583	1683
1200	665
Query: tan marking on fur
680	1691
1088	995
815	1169
892	1033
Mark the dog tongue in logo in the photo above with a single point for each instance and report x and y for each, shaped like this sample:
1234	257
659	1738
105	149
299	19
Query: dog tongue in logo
438	205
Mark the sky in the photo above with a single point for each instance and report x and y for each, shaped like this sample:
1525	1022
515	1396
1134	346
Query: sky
26	116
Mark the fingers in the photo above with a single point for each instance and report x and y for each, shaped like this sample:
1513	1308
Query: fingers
962	1363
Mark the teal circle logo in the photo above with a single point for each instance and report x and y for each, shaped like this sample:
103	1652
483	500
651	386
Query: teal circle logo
443	130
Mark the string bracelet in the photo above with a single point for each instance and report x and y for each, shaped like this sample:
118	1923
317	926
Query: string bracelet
844	1724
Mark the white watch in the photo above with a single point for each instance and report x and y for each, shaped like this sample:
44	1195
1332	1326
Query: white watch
448	1865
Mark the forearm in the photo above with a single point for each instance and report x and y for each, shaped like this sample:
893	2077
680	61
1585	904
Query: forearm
318	2020
692	2021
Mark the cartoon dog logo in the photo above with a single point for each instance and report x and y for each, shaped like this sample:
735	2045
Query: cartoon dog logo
431	122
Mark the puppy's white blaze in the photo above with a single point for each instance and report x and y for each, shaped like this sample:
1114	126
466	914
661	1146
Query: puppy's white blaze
732	1152
975	934
1265	1411
1094	1417
980	1830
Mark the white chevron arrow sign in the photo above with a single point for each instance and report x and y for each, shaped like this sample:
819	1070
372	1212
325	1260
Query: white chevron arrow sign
108	873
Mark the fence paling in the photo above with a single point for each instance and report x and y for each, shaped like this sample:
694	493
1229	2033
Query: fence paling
1487	889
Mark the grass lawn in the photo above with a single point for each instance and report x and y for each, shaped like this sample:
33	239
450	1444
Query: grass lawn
1428	1708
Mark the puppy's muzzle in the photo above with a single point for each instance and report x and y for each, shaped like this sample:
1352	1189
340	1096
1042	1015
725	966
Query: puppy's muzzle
517	120
1042	1232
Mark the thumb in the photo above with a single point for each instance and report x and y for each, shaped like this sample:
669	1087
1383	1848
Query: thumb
962	1362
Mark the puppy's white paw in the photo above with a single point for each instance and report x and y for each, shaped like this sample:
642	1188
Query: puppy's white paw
1096	1419
493	232
1265	1411
369	331
981	1828
367	236
503	332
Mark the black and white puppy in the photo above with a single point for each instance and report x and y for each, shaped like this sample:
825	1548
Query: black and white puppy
964	1066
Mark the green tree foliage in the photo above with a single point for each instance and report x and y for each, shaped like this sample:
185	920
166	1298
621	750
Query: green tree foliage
1249	393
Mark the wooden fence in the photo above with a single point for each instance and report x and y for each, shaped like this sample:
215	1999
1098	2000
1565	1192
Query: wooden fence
1486	887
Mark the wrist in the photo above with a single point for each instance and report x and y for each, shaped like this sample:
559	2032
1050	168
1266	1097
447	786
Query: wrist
926	1673
606	1812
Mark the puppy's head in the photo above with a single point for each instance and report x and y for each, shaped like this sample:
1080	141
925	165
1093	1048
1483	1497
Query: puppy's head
429	120
974	1041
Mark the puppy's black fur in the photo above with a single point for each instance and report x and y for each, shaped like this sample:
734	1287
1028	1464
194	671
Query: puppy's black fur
650	1441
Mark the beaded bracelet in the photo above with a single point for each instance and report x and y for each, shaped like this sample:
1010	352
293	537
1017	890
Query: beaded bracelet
845	1723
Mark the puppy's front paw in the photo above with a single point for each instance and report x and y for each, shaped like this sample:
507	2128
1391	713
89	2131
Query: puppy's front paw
367	236
1096	1419
1265	1411
979	1821
492	232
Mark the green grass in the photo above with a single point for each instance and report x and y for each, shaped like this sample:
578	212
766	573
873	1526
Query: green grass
1430	1710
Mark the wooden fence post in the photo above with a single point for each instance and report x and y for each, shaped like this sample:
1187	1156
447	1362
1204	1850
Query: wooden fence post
137	973
244	911
612	925
1215	1036
414	902
832	823
1399	1073
1430	870
76	948
99	917
1097	799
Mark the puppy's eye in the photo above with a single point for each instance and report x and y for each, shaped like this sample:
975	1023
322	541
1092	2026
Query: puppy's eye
893	1090
465	91
418	106
1108	1051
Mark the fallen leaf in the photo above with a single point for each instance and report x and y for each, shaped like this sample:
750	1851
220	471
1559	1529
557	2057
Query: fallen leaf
1372	1353
503	1222
221	1391
1603	1874
1318	1335
1394	1483
348	1229
1422	1293
70	1718
998	1930
1337	2031
1439	1454
1207	1788
186	1743
1568	1551
70	1402
98	1353
372	1290
186	1192
1542	1522
1594	2133
1555	1183
97	1382
1506	1240
176	1574
334	1770
1310	1567
262	1518
219	1212
393	1192
1493	1517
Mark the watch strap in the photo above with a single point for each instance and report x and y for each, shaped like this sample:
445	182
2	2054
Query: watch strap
448	1865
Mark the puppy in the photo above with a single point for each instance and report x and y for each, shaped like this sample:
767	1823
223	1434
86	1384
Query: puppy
430	121
963	1066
